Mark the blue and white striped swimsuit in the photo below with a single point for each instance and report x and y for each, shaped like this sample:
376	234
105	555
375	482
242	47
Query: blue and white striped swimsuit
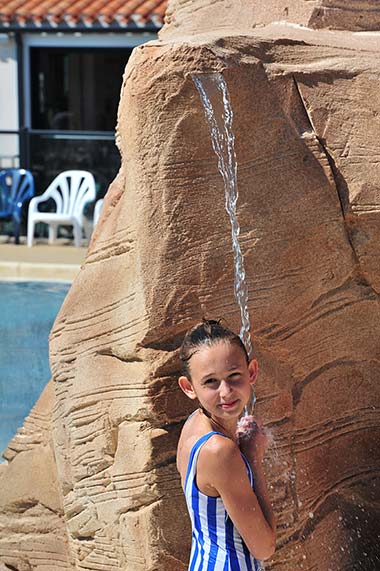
216	543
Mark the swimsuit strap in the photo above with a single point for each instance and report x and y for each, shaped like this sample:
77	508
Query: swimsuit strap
195	450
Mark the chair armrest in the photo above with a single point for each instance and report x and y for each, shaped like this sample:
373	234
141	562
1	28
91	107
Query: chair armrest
33	204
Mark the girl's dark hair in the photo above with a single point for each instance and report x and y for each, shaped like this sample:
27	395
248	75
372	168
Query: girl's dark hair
206	333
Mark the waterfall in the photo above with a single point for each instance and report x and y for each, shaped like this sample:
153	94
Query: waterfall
217	107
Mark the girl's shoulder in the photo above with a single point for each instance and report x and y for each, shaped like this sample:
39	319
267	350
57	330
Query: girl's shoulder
191	431
216	449
194	429
218	459
219	451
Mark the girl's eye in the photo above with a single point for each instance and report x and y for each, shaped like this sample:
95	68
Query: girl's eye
235	376
210	381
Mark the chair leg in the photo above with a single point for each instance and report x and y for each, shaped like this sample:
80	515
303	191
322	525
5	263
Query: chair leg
17	232
77	234
52	233
30	233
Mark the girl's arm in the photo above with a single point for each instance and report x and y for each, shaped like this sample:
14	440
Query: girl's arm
262	494
253	442
221	469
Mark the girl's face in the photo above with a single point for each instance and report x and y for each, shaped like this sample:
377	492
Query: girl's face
220	379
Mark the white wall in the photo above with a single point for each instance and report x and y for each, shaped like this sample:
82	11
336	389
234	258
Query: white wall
9	150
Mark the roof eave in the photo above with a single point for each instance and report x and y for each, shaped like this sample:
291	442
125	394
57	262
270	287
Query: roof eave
98	26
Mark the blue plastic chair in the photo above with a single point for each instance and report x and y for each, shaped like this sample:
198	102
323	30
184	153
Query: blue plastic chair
16	186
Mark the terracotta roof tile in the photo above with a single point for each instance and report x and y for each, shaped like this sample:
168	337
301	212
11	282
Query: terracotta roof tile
147	7
114	14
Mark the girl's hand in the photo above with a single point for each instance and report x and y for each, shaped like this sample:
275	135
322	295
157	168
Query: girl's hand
253	440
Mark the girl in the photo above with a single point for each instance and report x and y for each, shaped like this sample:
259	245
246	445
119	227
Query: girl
220	465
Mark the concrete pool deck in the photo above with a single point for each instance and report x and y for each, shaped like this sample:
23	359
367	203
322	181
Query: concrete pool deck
62	261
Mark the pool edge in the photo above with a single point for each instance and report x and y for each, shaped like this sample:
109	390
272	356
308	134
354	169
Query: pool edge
38	271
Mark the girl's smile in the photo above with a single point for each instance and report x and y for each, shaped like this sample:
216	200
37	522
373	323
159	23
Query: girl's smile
228	405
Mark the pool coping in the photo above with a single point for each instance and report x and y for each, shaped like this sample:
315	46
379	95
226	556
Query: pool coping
55	262
38	271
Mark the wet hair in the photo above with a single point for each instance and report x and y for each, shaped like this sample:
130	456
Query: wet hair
205	334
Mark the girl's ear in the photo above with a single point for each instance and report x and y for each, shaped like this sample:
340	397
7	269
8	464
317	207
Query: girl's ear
253	369
187	386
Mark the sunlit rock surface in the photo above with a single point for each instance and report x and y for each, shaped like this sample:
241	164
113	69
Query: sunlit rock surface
33	533
306	120
185	17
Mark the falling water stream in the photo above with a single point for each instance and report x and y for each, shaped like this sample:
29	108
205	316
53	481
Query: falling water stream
218	111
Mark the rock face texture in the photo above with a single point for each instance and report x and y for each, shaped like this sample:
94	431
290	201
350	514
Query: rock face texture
33	533
306	120
192	18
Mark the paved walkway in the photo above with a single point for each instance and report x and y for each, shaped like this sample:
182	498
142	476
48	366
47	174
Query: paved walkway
61	261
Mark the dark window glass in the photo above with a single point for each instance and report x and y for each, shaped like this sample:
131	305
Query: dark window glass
76	88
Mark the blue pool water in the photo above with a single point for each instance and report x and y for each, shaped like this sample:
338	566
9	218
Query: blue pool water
27	313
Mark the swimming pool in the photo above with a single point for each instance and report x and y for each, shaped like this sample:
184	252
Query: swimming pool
27	313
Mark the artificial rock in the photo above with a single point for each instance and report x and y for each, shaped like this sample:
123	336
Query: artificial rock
306	113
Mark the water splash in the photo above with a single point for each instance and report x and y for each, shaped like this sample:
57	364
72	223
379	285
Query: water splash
213	91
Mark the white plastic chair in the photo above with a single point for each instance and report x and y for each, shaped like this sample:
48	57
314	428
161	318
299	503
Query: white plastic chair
70	190
97	209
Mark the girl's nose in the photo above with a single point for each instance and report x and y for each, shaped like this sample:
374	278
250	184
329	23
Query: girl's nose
224	389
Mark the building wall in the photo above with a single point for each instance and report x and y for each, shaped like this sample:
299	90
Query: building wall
9	146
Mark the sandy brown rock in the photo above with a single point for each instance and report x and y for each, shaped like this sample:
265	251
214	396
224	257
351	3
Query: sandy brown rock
185	18
306	117
355	15
32	529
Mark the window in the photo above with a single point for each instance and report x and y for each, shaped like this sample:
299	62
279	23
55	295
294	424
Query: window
76	88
